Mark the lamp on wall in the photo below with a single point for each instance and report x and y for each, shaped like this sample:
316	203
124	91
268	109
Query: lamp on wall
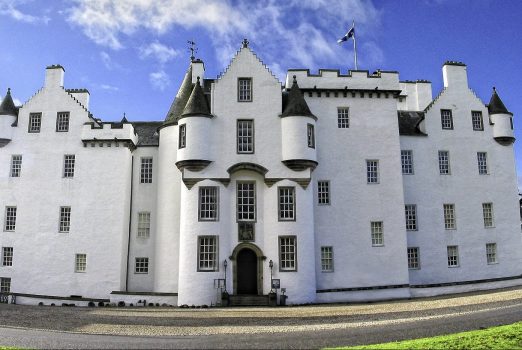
225	264
271	265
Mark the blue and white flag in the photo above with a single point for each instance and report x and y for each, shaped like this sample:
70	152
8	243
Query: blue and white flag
350	34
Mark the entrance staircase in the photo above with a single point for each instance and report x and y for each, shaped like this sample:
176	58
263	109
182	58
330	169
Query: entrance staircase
248	300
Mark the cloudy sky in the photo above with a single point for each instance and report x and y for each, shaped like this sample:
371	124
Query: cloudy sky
131	54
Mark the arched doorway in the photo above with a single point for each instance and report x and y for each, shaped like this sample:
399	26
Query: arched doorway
246	271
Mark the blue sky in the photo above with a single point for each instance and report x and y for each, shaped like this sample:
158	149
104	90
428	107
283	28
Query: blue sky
131	54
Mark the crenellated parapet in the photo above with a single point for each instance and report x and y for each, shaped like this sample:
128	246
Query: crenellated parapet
105	133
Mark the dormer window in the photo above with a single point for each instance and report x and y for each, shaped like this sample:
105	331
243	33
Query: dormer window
62	122
244	89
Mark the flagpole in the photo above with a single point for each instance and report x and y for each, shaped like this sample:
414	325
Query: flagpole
354	46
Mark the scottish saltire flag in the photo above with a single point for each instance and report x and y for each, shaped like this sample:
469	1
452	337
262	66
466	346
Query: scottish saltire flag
347	36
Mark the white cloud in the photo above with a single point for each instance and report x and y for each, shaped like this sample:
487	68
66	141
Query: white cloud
9	8
106	59
109	87
295	32
159	80
160	52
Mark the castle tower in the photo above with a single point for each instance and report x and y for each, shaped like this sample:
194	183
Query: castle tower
8	117
502	120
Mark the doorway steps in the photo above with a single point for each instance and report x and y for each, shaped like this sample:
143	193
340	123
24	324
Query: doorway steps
248	300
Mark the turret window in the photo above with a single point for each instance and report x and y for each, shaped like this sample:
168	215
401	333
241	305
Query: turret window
144	224
477	121
207	253
208	203
35	122
311	135
16	165
245	136
244	89
446	119
182	136
62	122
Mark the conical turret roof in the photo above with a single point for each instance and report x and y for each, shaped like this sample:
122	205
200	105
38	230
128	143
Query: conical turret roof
496	106
296	104
8	107
197	103
178	105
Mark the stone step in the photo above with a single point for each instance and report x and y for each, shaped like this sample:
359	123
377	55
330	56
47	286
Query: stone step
249	300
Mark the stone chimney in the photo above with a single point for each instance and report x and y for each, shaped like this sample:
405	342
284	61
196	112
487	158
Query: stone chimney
455	74
54	76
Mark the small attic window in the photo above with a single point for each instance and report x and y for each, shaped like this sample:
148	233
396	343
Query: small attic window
244	89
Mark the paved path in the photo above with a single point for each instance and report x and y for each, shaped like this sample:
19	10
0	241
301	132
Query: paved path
292	327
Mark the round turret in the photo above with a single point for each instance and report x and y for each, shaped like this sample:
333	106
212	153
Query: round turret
8	118
298	132
194	132
502	120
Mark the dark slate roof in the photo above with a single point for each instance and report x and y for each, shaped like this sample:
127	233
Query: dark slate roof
197	103
147	133
295	103
409	123
496	106
176	109
8	107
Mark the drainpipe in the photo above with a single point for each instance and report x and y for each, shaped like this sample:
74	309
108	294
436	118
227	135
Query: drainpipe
130	226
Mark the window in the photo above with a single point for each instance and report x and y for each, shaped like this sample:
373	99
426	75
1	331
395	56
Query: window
68	165
246	201
323	192
182	142
453	256
10	219
208	204
62	122
65	219
286	203
244	89
7	256
141	265
287	253
449	217
207	253
377	233
245	136
343	117
413	258
476	120
16	165
411	217
491	253
372	171
5	285
444	163
310	135
487	212
80	264
146	170
144	224
446	119
327	259
407	162
482	163
35	122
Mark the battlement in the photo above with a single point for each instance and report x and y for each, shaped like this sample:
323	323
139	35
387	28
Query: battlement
354	80
109	132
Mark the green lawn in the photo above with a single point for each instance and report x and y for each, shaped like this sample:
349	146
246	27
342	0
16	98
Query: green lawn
503	337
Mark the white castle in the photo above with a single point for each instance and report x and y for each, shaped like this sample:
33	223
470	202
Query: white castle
335	187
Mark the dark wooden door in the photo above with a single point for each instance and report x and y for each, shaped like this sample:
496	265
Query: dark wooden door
246	272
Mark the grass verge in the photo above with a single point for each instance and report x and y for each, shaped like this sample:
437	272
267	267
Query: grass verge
502	337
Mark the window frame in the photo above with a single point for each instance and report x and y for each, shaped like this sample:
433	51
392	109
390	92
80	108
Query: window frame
410	213
69	165
310	135
491	254
182	136
323	196
489	218
444	162
146	170
414	262
213	256
144	222
34	128
10	220
450	216
7	256
289	206
442	121
407	162
377	236
215	195
63	120
250	139
343	117
64	225
241	219
5	285
80	263
327	259
453	260
141	265
482	163
370	180
284	257
16	165
477	116
250	89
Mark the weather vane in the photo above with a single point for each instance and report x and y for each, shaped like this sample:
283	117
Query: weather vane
193	49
